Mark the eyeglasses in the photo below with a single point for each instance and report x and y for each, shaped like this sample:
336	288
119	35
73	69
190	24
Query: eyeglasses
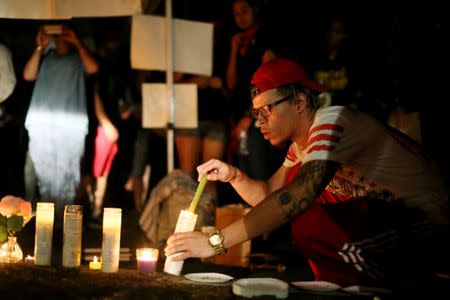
265	110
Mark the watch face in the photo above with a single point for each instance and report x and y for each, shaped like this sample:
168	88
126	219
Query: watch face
215	239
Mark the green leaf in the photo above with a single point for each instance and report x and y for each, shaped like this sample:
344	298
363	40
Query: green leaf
3	234
3	220
15	223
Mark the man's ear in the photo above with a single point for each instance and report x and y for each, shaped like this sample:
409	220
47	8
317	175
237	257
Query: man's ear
301	102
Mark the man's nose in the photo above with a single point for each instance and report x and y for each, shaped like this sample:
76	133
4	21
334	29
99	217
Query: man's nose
260	120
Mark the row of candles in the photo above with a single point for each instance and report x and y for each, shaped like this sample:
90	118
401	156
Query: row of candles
72	232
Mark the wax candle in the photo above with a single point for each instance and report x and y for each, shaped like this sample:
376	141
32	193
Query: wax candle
45	213
185	223
73	219
147	259
112	220
95	264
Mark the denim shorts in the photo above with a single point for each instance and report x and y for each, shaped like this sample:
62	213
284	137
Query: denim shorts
211	130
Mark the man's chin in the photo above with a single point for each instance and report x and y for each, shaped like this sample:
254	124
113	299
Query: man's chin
277	144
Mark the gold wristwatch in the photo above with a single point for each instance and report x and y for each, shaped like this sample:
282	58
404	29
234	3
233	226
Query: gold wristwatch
215	240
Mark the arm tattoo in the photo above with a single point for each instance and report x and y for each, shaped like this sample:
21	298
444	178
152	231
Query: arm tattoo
310	181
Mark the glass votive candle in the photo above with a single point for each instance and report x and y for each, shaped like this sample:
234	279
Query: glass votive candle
147	259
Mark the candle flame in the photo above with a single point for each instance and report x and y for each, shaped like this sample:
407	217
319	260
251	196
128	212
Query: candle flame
147	255
95	259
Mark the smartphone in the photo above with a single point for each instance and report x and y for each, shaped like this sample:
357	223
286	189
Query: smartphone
53	29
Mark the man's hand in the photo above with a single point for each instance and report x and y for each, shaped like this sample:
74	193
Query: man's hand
217	171
69	36
236	41
42	39
189	244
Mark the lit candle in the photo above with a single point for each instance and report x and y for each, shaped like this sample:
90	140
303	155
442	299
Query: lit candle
147	259
186	223
112	220
73	219
95	264
29	258
45	213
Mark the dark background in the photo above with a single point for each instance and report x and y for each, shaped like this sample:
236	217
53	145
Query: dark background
403	55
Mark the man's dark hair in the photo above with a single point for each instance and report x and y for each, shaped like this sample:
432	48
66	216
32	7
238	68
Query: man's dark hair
295	88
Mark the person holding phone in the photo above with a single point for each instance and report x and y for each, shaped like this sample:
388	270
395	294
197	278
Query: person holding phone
57	120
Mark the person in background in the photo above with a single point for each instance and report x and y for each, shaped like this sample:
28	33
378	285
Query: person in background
112	89
57	121
8	177
334	66
366	206
207	141
149	148
249	47
7	74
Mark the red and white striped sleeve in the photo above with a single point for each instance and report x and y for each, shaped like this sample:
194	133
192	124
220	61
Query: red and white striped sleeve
331	137
292	157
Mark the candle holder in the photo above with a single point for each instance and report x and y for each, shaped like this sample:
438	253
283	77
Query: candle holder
73	223
147	260
45	214
112	221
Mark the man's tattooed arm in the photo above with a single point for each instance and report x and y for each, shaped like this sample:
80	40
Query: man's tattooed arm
283	205
310	181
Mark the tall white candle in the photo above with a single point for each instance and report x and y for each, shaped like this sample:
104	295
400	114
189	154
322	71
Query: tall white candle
45	214
112	220
186	223
73	219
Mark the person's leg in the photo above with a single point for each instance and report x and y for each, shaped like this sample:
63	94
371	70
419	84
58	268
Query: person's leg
105	151
158	158
99	195
213	147
31	192
365	241
188	148
140	158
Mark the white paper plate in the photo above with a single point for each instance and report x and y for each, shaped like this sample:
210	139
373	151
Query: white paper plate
209	277
317	286
251	287
365	290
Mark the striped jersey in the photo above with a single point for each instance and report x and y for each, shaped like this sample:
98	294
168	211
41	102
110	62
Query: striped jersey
376	161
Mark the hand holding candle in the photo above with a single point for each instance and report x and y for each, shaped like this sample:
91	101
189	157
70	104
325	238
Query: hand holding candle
186	223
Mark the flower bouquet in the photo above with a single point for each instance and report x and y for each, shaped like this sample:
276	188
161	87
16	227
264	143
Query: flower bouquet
14	214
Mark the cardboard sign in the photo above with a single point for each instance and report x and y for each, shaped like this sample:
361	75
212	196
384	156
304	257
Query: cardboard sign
65	9
155	105
192	46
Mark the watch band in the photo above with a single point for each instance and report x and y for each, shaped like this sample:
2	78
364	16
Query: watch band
219	248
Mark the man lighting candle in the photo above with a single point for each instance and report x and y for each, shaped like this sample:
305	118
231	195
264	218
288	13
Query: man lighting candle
366	206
